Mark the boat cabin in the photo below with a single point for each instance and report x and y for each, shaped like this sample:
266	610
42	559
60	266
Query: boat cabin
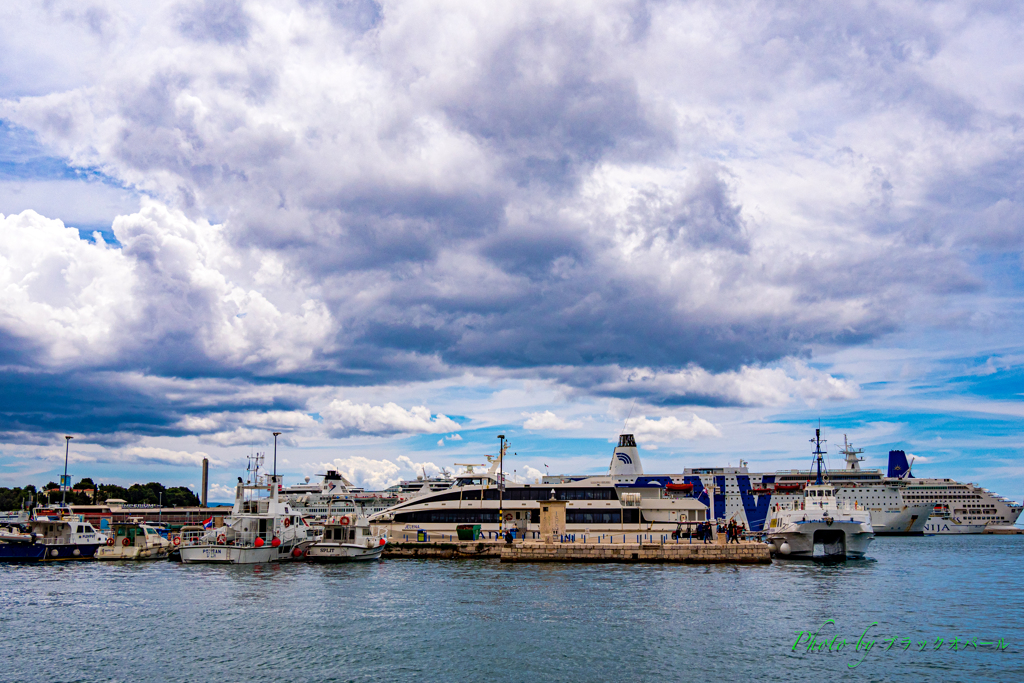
70	530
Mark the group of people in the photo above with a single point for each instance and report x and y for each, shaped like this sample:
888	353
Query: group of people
705	532
734	532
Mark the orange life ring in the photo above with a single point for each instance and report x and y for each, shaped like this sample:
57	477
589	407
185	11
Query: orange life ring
287	522
177	541
110	541
509	516
222	539
344	520
125	542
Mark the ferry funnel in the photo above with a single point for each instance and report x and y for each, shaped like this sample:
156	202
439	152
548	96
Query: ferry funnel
625	458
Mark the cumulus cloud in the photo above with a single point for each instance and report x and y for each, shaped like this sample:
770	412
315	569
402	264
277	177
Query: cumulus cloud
377	475
548	421
337	195
344	418
671	428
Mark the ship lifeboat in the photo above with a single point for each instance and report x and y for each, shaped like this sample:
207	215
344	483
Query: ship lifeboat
679	487
789	487
762	490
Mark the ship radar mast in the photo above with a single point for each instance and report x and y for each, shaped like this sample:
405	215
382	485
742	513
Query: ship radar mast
852	461
818	453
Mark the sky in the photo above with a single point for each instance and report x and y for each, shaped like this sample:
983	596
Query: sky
392	231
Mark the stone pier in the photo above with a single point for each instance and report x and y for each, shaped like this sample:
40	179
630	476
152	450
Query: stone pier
684	553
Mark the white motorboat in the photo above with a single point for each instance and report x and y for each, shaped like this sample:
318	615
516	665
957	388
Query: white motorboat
134	541
347	539
819	527
942	522
260	529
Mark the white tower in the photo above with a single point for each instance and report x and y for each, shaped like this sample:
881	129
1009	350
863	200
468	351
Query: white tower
625	458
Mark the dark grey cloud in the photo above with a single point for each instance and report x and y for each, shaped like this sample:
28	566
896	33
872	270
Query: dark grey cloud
563	193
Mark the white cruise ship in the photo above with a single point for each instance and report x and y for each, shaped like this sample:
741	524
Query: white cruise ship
622	501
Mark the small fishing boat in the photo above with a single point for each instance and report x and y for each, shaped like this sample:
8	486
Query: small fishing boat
260	529
347	539
19	546
65	538
134	541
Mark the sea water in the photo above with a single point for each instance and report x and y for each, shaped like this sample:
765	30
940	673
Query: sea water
919	609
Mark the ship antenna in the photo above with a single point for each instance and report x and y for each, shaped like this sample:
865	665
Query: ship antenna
629	415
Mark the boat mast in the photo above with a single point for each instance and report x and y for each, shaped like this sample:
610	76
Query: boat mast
818	453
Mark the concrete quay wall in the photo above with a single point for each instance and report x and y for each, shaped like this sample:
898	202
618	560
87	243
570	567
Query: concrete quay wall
443	549
738	553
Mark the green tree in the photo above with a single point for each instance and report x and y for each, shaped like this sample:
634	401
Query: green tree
86	483
180	496
139	495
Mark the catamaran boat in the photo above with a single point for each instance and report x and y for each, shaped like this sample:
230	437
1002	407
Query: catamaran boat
820	527
623	501
260	529
347	539
134	541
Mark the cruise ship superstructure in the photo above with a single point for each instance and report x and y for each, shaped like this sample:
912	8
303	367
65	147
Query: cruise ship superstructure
623	500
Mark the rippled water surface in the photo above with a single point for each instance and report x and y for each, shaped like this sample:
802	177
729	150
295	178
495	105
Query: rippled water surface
479	620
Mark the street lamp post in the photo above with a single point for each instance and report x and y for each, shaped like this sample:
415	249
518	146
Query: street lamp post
501	484
64	480
276	434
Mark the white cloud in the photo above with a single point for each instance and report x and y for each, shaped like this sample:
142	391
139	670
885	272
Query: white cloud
164	456
671	429
377	475
548	421
344	418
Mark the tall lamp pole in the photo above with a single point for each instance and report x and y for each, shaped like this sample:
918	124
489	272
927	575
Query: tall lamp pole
501	484
276	434
64	480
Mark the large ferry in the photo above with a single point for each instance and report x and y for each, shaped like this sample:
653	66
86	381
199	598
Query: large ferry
746	496
622	501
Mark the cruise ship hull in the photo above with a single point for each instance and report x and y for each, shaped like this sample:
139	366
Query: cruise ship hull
937	526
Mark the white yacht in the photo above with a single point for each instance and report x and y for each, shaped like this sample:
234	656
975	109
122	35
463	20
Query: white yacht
820	527
260	529
347	539
623	501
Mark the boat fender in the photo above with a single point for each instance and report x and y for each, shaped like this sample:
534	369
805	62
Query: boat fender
297	552
275	542
222	539
125	542
110	541
784	549
343	521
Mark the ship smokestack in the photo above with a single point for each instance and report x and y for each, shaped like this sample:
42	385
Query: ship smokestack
206	478
625	458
